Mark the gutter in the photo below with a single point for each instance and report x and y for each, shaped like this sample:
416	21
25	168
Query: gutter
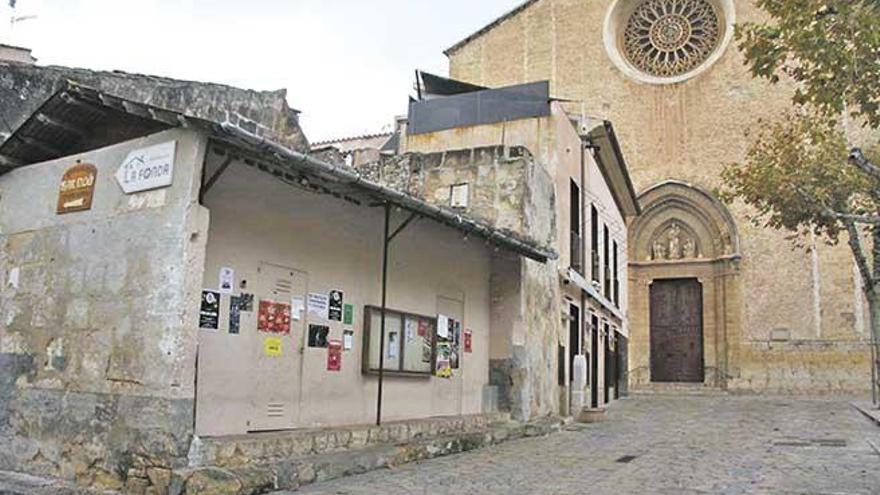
405	201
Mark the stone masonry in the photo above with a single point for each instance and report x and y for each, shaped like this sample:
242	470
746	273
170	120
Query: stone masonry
796	319
24	87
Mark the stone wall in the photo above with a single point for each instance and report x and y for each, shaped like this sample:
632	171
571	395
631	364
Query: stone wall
23	88
97	341
502	181
688	132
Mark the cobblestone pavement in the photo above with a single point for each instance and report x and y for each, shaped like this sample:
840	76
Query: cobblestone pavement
680	445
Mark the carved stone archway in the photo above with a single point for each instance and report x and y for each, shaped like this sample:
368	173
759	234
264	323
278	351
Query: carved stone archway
684	232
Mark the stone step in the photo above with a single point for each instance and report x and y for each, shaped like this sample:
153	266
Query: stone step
293	472
241	450
678	389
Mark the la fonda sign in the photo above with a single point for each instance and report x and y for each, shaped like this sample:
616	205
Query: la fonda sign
148	168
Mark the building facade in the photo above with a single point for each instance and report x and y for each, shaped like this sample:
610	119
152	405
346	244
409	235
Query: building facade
564	327
713	299
178	280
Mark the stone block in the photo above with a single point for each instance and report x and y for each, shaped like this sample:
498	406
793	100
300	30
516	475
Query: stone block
591	415
159	477
212	481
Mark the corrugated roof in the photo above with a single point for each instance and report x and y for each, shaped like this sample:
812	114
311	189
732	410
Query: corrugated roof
488	27
327	142
78	119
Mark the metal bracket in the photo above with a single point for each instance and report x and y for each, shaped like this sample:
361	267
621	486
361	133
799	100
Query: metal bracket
409	220
206	185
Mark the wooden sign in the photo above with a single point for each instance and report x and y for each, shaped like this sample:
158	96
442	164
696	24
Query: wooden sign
77	188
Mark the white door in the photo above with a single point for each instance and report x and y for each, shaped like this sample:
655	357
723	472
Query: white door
276	350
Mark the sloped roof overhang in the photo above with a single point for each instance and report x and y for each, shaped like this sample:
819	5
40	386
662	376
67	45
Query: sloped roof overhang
77	119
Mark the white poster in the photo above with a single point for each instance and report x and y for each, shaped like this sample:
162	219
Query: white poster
227	280
297	306
443	326
319	305
348	340
392	345
411	326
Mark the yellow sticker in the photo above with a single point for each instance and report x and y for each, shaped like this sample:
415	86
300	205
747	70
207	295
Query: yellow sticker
272	347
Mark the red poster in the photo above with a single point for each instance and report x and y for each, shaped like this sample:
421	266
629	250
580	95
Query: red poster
468	341
423	327
274	317
334	355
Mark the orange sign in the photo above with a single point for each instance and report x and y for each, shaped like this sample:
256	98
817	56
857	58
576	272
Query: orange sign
77	188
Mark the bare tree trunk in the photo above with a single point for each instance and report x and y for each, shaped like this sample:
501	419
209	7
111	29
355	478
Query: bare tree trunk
874	306
870	271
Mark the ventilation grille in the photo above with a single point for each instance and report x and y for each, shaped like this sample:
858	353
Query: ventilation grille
275	410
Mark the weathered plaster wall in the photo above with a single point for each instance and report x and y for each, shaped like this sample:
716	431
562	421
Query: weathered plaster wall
511	190
689	131
23	88
97	347
331	244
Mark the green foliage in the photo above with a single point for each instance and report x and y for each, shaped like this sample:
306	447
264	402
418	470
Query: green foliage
796	174
831	48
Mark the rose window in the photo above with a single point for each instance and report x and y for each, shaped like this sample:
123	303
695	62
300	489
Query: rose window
666	38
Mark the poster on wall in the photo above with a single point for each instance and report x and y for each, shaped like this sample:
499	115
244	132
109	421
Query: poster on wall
318	335
468	341
393	345
273	347
77	188
426	350
274	317
319	306
234	315
348	314
348	340
227	280
335	309
334	355
443	326
410	327
209	312
424	326
454	356
444	363
297	307
246	302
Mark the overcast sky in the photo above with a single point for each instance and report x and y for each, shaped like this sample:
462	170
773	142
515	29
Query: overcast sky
347	64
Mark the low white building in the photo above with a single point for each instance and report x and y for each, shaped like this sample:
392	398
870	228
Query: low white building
167	278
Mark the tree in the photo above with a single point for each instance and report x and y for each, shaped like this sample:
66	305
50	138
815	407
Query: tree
801	173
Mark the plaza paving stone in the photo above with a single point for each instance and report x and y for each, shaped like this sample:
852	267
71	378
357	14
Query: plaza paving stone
675	445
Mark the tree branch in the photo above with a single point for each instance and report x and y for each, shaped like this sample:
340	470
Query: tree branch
858	158
858	251
868	219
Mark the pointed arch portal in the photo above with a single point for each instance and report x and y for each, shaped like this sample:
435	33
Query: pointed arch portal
684	288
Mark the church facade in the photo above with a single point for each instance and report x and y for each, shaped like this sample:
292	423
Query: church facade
714	300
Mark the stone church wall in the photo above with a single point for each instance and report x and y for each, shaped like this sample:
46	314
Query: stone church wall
801	319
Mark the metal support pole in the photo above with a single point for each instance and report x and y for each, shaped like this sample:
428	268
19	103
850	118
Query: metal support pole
385	241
